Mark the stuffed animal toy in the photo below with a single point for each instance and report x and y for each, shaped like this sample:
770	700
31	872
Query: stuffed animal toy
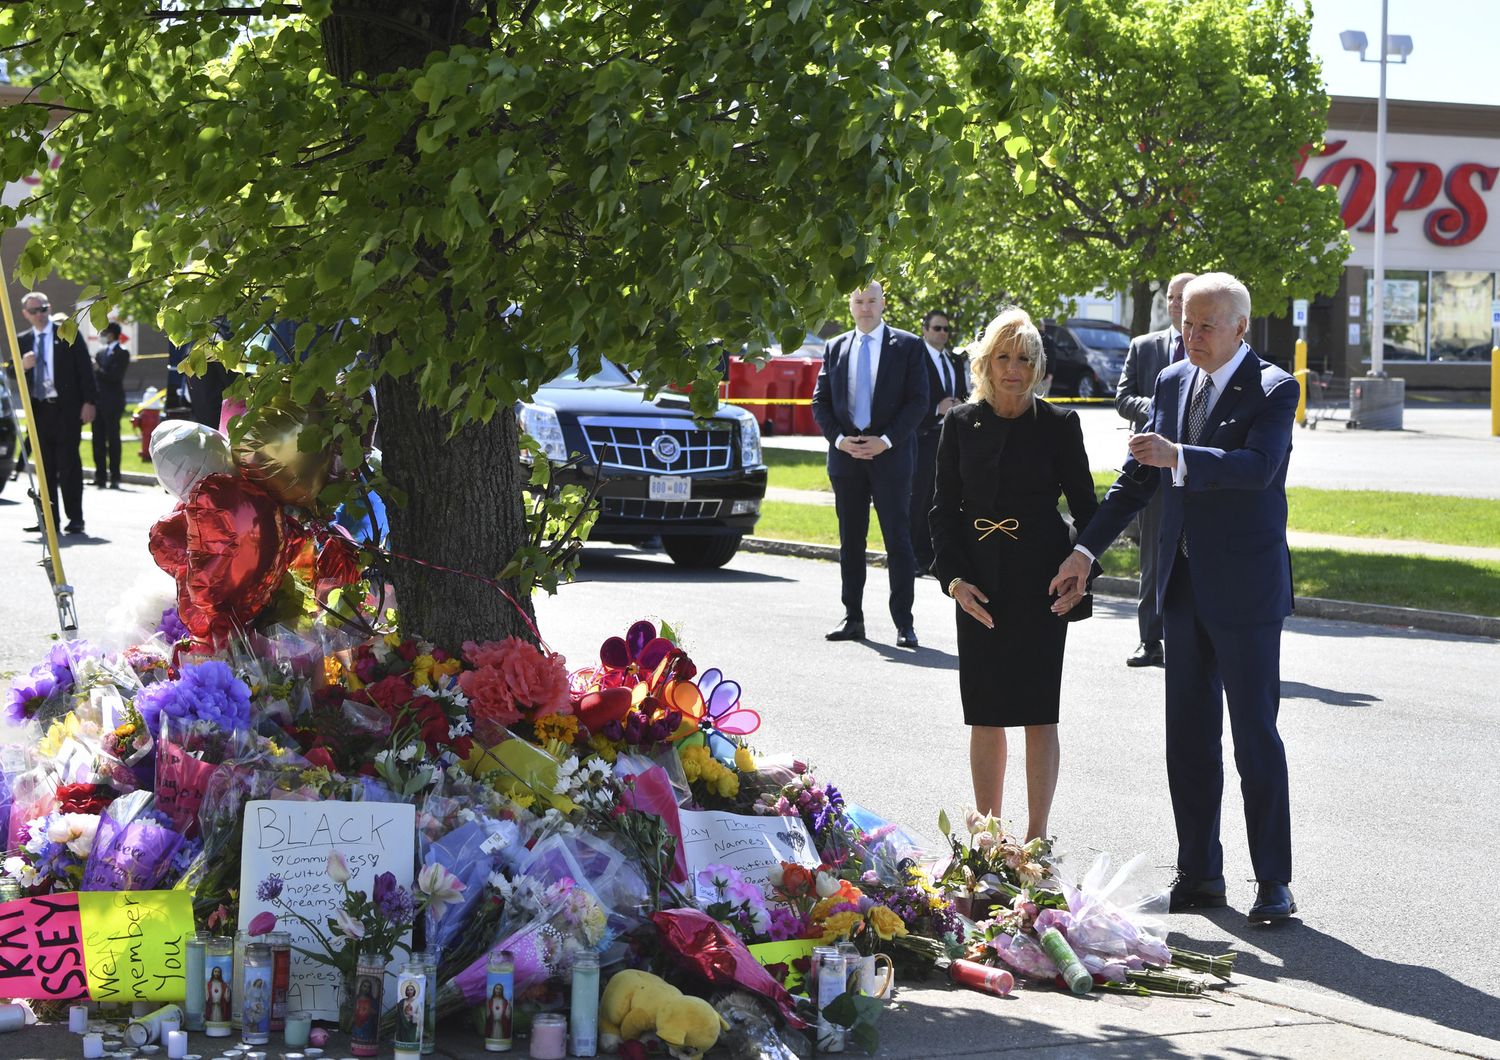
637	1004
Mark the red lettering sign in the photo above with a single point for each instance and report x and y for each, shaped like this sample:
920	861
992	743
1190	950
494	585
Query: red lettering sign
41	948
1411	187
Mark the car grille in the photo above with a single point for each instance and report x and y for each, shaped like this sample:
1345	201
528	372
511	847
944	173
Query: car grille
662	447
636	508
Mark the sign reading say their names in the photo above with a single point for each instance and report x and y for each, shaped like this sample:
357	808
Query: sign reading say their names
292	840
752	846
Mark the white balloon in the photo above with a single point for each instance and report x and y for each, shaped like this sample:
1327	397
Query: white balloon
183	452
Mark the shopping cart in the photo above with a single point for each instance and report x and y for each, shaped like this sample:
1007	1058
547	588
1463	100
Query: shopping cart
1327	399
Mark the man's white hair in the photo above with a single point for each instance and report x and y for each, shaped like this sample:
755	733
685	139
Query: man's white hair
1224	286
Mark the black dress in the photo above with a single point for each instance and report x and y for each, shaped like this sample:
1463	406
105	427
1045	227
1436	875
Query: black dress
996	524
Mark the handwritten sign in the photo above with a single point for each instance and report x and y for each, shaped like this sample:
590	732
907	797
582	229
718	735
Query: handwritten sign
752	846
111	945
292	840
134	944
181	781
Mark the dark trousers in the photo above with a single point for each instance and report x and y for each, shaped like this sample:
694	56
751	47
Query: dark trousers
886	481
923	478
106	430
1148	612
59	433
1207	664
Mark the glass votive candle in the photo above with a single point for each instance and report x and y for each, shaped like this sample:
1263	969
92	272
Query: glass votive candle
298	1027
549	1037
93	1046
177	1042
78	1018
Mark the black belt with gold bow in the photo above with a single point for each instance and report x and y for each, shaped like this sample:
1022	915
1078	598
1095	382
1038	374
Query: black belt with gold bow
1008	527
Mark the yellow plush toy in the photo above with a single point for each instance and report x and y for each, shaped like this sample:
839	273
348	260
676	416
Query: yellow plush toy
636	1004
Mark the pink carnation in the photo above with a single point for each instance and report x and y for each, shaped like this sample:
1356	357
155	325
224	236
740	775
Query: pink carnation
490	653
536	683
489	696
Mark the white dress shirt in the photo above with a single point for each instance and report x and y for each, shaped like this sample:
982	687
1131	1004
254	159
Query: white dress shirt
1221	377
877	339
945	371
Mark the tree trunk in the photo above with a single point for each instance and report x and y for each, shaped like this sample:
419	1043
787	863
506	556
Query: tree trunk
462	511
1140	307
461	507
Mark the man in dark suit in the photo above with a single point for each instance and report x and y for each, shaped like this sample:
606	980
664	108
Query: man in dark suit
1217	446
60	377
1147	356
110	364
947	385
870	396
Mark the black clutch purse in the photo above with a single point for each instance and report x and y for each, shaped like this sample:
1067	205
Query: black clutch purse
1081	610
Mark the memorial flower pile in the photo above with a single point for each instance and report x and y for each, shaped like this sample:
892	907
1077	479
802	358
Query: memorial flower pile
555	812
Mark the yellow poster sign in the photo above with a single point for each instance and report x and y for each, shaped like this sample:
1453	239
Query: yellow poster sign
134	944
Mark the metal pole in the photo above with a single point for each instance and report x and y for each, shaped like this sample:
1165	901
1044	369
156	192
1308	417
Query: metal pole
1377	297
1495	384
1299	367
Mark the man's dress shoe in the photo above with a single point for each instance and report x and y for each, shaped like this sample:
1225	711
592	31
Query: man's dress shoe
1148	654
848	629
1273	901
906	638
75	527
1188	893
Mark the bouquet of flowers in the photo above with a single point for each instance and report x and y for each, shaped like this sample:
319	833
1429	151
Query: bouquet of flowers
987	865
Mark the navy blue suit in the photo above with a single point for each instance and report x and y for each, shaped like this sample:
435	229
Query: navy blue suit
898	405
1222	604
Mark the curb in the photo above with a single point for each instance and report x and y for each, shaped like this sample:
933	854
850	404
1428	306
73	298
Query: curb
1306	606
1365	1016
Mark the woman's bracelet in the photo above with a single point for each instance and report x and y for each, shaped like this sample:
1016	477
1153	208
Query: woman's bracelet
953	585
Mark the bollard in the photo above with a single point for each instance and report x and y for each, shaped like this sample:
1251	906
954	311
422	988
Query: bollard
1299	368
1495	392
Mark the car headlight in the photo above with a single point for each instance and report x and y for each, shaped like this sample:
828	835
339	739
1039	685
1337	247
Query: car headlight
543	425
750	455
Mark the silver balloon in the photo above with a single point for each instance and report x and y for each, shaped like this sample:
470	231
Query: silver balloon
182	452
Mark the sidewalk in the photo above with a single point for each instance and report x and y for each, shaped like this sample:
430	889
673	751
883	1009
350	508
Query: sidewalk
930	1021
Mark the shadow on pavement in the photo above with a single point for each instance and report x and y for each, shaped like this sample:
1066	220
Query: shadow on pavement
80	541
927	1030
1333	697
1308	955
655	567
923	656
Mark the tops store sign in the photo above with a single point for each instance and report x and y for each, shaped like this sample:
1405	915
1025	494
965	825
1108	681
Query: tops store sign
1441	192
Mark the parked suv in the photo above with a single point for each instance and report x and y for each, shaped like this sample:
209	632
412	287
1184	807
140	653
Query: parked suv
697	485
1087	356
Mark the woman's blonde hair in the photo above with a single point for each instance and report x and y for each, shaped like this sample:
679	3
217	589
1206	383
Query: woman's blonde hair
1012	332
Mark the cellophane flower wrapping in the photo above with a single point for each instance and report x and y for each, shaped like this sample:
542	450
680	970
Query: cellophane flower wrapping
135	847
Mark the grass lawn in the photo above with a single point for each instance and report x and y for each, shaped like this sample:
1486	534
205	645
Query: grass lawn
130	449
1403	581
1355	513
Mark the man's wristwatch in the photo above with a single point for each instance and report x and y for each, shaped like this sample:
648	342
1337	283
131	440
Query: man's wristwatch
953	585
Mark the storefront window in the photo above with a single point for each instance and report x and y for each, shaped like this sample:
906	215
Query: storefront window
1460	328
1405	315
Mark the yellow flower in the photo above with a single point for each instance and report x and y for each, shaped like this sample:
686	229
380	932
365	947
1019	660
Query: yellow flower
605	748
885	923
840	925
393	639
333	670
744	761
727	785
421	671
562	728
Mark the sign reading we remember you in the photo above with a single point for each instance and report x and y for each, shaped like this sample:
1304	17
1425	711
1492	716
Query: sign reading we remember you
752	846
108	945
292	840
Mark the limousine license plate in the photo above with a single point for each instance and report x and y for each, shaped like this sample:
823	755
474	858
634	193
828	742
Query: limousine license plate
670	488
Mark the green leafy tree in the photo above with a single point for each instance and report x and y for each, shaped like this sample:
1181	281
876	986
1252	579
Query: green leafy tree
1178	126
641	180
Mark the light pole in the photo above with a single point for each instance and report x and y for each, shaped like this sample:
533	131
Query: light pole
1399	46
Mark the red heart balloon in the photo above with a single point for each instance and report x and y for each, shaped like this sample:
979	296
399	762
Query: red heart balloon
597	709
227	547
